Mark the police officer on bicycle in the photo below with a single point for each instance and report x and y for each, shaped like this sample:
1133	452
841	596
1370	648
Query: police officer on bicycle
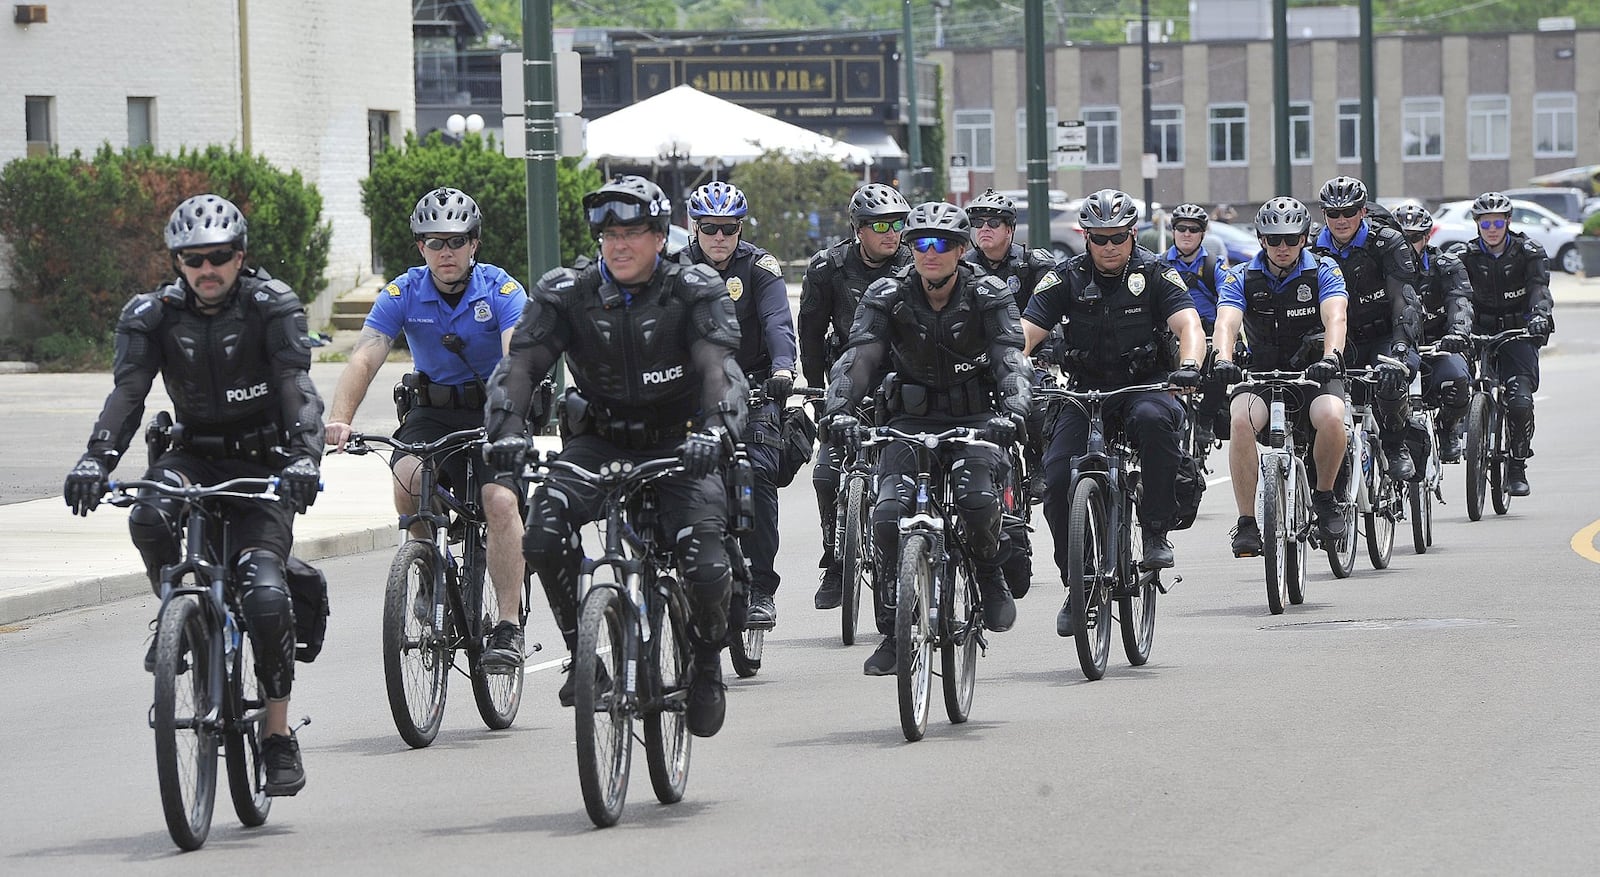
1385	318
230	345
1510	290
1291	304
954	345
457	315
1118	300
650	349
1446	296
767	351
1202	272
834	282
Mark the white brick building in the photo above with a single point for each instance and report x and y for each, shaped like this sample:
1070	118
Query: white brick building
310	84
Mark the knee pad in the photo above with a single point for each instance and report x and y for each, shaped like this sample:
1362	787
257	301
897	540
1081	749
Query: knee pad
1519	396
269	615
708	577
551	551
155	522
1455	393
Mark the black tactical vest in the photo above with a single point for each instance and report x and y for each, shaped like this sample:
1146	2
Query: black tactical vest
1278	325
1119	327
648	374
946	351
848	280
1370	310
216	368
1021	269
1500	286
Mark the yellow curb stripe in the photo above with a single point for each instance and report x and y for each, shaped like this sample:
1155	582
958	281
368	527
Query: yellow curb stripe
1583	542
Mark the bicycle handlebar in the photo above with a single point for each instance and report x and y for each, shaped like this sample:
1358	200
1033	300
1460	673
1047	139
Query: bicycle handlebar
461	438
1101	395
122	493
959	435
616	473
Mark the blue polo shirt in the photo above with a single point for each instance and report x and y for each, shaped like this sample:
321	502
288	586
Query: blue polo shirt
491	304
1357	241
1330	280
1207	306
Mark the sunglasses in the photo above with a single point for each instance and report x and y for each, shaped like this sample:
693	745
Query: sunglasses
1101	240
1491	223
615	211
1189	229
627	235
454	242
1341	212
989	222
938	245
882	227
1281	240
217	257
1415	236
729	229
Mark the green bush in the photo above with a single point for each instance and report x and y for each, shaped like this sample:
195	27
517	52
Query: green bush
783	191
400	177
1591	226
86	235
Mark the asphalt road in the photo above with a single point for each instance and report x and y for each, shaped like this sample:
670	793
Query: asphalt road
1437	717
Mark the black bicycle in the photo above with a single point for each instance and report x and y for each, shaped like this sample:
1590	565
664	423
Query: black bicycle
852	527
1102	555
439	601
206	691
1488	452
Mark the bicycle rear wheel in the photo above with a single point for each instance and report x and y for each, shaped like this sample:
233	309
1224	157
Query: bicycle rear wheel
856	564
498	695
1499	459
603	716
744	650
416	649
241	742
913	630
666	733
958	649
1342	551
186	738
1088	569
1275	539
1420	499
1379	521
1296	538
1478	426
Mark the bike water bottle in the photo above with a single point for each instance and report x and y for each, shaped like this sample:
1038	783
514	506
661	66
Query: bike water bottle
231	638
1277	431
744	494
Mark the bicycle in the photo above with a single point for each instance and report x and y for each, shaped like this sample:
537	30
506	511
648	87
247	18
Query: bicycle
1283	490
206	689
1102	556
852	527
746	641
1379	498
1426	489
1487	452
937	605
438	600
633	654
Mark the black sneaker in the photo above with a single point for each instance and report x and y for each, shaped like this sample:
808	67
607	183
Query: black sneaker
1246	538
503	654
831	592
602	682
1517	478
883	661
1064	619
762	614
1400	465
1036	486
1451	448
1329	520
422	605
999	609
280	754
708	700
150	657
1157	551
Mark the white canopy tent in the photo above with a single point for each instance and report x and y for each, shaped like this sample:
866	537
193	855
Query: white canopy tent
707	130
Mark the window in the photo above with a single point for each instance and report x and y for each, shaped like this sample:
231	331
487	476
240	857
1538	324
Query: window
1230	132
1053	158
1555	125
975	138
141	121
40	132
1349	122
1489	126
1103	126
1300	133
1422	128
1166	128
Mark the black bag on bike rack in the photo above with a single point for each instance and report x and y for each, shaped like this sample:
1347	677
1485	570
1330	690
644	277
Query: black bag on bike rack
798	433
1189	488
308	591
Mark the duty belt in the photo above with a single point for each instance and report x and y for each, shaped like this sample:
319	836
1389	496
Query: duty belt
433	395
254	444
637	435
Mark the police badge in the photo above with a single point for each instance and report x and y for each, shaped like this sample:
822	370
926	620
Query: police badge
1136	284
481	312
1302	292
735	288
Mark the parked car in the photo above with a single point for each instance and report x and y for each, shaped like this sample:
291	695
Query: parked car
677	239
1066	238
1565	202
1453	223
1239	241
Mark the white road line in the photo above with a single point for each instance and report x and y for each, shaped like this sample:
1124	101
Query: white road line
1215	481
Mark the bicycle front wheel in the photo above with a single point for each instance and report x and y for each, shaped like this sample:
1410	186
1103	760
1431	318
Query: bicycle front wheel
241	742
1478	439
603	715
1421	502
1088	572
1379	519
1275	537
183	718
1342	551
1296	536
913	631
856	565
1499	484
744	651
958	649
666	733
416	649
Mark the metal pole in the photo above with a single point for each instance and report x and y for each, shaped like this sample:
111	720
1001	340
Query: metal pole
1040	141
1280	97
1369	139
913	113
539	112
1148	137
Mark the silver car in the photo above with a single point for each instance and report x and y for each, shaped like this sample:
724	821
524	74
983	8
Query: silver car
1453	223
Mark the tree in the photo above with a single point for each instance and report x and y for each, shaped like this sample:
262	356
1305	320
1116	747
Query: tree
796	204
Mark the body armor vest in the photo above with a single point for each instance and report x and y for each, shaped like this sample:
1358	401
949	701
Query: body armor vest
1118	328
650	375
1500	286
1370	310
1021	269
1280	324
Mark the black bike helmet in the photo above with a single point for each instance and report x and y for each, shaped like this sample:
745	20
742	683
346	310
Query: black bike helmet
937	219
205	221
628	200
446	211
992	203
1108	208
877	201
1343	191
1414	219
1283	215
1192	212
1491	202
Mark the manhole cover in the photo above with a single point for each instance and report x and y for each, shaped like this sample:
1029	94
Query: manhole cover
1388	624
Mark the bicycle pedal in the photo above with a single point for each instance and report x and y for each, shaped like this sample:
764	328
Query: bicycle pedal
1164	587
304	720
760	625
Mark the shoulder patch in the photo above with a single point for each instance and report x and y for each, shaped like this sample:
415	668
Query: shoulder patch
1050	278
769	262
393	289
1171	276
509	287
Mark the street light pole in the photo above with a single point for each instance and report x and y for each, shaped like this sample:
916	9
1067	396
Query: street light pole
1144	112
913	113
1039	147
1280	96
539	112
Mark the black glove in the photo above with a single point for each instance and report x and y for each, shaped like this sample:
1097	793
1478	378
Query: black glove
779	387
1002	429
298	484
702	454
1324	369
1226	372
1453	343
86	484
1391	380
1075	358
1188	376
506	454
844	430
1539	329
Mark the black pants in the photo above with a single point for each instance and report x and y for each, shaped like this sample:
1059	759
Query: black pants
1517	363
1394	412
1446	383
760	545
825	481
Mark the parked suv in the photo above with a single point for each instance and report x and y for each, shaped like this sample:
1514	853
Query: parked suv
1567	203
